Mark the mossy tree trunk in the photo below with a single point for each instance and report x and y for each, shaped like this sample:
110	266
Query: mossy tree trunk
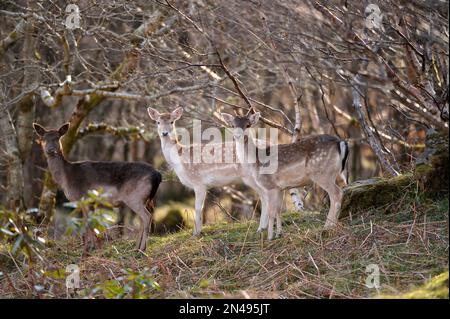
430	177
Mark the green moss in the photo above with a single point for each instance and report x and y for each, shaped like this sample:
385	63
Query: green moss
376	193
13	35
436	288
430	179
433	170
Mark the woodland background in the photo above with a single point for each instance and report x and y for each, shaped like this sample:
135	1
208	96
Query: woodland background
308	66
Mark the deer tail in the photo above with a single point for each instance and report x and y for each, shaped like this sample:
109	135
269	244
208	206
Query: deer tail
343	153
150	204
156	180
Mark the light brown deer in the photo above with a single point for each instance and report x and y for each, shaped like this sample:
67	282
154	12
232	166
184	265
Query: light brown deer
133	184
199	176
317	158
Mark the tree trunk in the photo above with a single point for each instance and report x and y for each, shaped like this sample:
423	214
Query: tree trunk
374	143
26	107
14	173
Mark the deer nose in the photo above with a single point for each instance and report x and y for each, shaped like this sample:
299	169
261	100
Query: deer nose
238	133
165	133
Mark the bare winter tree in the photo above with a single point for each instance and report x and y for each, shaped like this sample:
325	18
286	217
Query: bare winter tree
375	75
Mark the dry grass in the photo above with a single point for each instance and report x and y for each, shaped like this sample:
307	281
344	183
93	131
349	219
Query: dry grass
232	260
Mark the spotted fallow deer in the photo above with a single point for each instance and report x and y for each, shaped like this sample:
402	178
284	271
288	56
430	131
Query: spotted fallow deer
131	183
199	176
317	158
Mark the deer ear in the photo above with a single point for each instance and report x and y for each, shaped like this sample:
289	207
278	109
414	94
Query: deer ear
176	114
39	129
154	114
228	118
63	129
254	118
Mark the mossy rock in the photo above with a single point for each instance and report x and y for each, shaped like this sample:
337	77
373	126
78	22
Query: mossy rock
373	193
436	288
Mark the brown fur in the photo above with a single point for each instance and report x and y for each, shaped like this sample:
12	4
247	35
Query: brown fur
133	184
318	158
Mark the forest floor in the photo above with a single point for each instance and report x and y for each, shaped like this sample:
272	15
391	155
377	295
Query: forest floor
409	246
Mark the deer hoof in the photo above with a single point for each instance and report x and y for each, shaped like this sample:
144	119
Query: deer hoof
329	226
278	235
141	245
141	248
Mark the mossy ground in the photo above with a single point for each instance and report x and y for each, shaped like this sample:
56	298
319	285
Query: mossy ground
437	287
410	246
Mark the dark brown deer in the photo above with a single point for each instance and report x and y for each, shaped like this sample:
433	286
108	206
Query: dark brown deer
133	184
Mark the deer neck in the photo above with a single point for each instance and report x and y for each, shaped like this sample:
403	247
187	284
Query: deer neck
243	146
58	167
171	151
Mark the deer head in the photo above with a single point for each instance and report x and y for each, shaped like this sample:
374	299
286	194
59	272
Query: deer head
241	124
166	122
50	139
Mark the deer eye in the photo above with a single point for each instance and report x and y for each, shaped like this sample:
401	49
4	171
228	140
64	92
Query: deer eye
171	122
158	122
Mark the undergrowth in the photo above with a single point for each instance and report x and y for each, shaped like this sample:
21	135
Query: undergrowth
409	246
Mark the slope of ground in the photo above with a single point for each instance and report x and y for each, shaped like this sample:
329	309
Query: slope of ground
408	246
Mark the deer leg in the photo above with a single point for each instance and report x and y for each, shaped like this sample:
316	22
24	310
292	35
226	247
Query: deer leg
121	221
263	220
274	207
335	194
332	220
150	205
200	195
264	216
270	227
265	210
88	236
84	236
279	206
145	216
279	226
